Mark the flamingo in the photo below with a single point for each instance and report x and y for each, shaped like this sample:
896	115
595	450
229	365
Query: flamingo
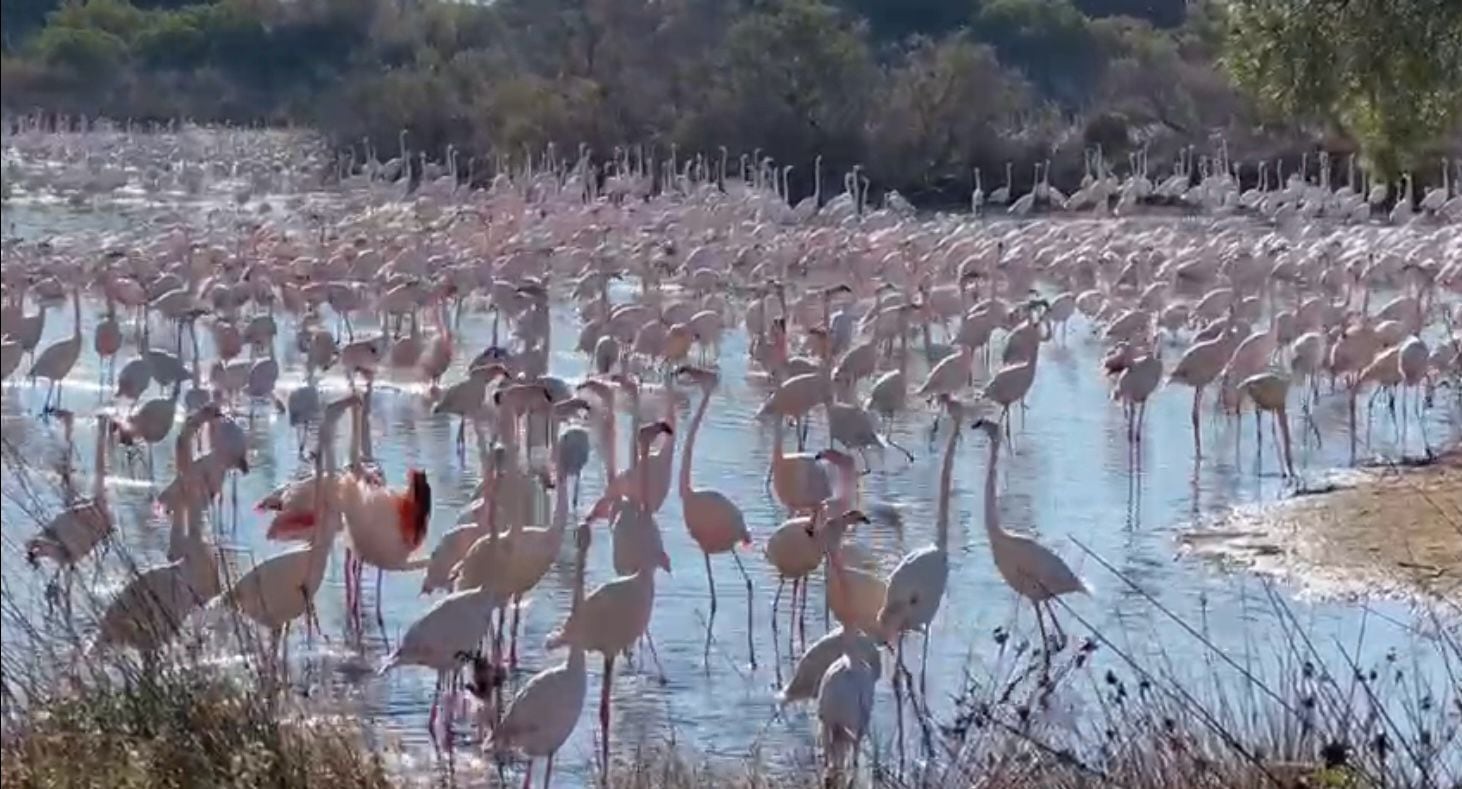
819	656
107	338
636	536
280	589
916	585
442	638
76	531
149	610
797	480
713	520
854	595
609	621
1136	383
383	527
545	712
55	362
136	374
845	704
1270	391
1026	566
1198	367
11	352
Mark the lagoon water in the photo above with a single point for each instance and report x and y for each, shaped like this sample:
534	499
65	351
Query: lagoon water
1116	514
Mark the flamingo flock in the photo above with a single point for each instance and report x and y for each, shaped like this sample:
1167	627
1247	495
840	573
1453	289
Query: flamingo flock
856	320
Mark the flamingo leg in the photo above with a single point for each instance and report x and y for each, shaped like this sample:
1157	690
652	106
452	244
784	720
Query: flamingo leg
1258	440
898	695
750	626
776	603
1197	436
604	687
710	623
436	703
548	770
655	655
380	618
528	775
1056	625
1282	420
792	619
513	643
924	668
1045	640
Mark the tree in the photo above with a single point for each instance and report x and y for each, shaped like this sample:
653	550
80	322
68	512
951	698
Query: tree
796	80
88	56
944	109
893	20
1048	40
20	18
1160	13
1387	73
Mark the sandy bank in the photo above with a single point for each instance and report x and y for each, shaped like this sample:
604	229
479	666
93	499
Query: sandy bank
1387	531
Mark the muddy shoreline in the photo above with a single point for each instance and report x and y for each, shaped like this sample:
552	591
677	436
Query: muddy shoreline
1384	530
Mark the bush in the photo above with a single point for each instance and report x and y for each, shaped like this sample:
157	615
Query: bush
175	728
172	42
87	55
1047	40
943	110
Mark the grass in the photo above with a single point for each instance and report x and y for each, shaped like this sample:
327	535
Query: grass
176	728
1013	727
75	717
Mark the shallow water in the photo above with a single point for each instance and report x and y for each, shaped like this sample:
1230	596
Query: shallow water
1069	476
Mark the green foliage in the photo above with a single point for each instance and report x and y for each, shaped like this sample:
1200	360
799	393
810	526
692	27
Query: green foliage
947	105
893	20
117	17
172	41
83	54
1050	41
1159	13
798	72
1387	72
918	91
20	19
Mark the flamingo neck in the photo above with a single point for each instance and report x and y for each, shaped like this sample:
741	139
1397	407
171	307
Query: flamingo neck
560	509
847	496
992	509
611	459
362	442
777	429
99	485
642	458
946	488
695	425
634	430
355	440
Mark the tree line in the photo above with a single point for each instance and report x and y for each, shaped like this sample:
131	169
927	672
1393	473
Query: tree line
920	92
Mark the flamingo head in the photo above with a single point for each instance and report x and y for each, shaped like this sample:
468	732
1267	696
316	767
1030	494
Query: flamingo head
836	457
652	431
835	527
572	407
697	376
990	428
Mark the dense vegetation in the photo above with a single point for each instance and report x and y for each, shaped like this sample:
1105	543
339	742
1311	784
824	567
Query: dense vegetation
919	91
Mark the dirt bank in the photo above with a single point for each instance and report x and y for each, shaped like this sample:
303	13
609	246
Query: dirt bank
1391	531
